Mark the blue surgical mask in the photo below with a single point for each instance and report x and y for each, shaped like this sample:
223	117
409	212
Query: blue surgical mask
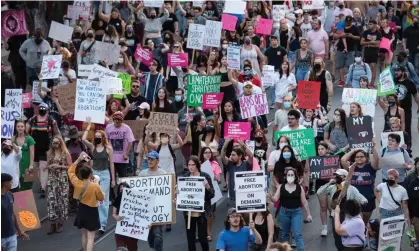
178	98
287	155
287	105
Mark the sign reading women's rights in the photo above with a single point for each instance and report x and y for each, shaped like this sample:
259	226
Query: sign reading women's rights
8	117
198	85
13	23
191	196
386	85
137	209
13	99
24	208
51	66
365	97
145	56
178	59
253	105
302	141
90	101
391	231
250	191
323	167
160	122
360	132
233	57
163	188
196	37
308	94
237	130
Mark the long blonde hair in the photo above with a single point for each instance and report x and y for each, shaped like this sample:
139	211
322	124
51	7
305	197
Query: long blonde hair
63	148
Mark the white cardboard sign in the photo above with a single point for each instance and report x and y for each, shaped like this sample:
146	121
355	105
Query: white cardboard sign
8	117
233	57
60	32
191	196
196	37
212	33
114	85
90	101
35	88
391	231
107	52
98	72
84	70
13	99
218	195
250	191
51	66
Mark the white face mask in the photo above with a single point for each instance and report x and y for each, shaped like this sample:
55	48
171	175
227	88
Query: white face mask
290	180
358	59
225	46
281	145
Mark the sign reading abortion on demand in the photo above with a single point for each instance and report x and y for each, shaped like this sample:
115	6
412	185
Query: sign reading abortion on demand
250	191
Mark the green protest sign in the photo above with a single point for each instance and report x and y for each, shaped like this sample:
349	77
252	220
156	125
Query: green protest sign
126	84
302	141
198	85
386	84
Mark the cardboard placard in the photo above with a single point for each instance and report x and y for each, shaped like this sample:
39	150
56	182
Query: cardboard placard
233	57
163	187
323	167
386	85
302	141
160	122
360	132
253	105
98	72
212	33
198	85
113	85
145	56
67	97
308	94
235	7
391	231
60	32
13	99
51	66
8	118
264	26
250	191
107	52
137	209
153	3
196	37
74	12
90	101
35	85
84	70
13	23
237	130
126	84
278	12
178	59
229	22
365	97
86	5
212	100
31	175
218	195
25	210
268	75
384	138
26	100
191	196
137	127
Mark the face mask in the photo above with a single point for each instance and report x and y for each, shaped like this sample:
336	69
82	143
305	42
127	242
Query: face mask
38	41
247	41
120	60
6	150
341	6
153	16
166	39
77	34
290	180
391	182
98	140
90	35
178	98
281	145
224	46
258	139
358	59
55	145
391	103
400	59
129	30
336	118
339	179
209	128
317	67
287	155
42	112
287	105
250	14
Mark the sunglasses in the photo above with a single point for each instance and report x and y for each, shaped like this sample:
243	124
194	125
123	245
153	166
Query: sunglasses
135	86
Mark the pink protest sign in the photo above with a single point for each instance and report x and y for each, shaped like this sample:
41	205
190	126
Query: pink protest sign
264	26
13	23
229	22
145	56
212	100
180	59
237	130
26	99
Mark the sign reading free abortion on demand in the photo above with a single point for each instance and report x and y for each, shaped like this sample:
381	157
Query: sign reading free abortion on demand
250	191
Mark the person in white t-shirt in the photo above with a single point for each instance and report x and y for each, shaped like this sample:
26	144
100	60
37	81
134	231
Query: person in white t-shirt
10	158
306	25
293	121
166	151
67	75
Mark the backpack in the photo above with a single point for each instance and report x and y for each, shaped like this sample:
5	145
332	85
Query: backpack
352	71
49	126
385	149
172	152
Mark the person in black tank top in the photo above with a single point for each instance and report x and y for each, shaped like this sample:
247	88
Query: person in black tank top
391	109
264	224
319	74
114	19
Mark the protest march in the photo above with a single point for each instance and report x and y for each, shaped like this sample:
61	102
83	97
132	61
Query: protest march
263	125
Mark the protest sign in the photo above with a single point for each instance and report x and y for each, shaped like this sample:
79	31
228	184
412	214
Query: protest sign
25	210
26	100
308	94
229	22
197	3
360	132
235	7
198	85
302	141
74	12
278	12
365	97
233	58
313	4
153	3
264	26
212	33
98	72
251	145
13	23
84	70
107	52
212	100
391	231
178	59
389	162
191	196
126	84
85	14
323	167
51	66
237	130
163	188
145	56
160	122
13	99
113	85
268	75
60	32
250	191
90	101
384	138
196	37
8	117
136	208
253	105
137	127
35	85
67	97
386	85
218	195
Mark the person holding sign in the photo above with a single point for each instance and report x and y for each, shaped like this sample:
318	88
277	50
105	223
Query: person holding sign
335	134
391	109
198	221
285	83
396	126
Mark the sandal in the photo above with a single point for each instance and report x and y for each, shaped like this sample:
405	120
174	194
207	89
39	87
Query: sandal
209	238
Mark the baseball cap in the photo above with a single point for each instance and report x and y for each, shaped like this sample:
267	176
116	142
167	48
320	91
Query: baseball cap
43	105
400	68
144	106
246	83
299	11
118	115
341	172
153	155
275	35
231	211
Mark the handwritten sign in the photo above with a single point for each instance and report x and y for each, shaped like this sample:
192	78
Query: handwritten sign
323	167
114	85
386	85
153	3
196	37
35	85
391	231
26	100
13	23
212	33
218	195
191	196
163	188
212	100
84	70
74	12
13	99
60	32
67	97
98	72
237	130
308	94
24	208
302	141
278	12
384	138
254	105
145	56
365	97
137	209
178	59
250	191
160	122
126	84
8	117
90	101
107	52
229	22
264	26
268	75
233	57
198	85
137	127
360	132
85	14
51	66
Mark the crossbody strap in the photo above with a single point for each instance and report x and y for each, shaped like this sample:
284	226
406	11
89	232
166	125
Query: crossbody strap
391	194
83	190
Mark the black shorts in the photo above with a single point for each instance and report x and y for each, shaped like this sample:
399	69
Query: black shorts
370	58
369	207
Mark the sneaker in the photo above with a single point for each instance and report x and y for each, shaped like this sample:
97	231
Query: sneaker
324	232
101	230
272	106
341	84
293	244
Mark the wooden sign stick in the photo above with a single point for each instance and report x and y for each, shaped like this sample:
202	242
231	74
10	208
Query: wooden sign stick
189	220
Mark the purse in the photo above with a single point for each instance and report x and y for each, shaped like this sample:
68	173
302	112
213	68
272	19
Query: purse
391	194
84	52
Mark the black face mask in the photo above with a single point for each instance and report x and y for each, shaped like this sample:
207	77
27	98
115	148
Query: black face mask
7	150
90	35
391	103
247	41
74	140
209	128
38	41
317	67
250	14
42	112
258	139
153	16
341	6
339	179
390	182
77	34
166	39
400	59
98	140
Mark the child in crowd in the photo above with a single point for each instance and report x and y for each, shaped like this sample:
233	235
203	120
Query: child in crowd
340	29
